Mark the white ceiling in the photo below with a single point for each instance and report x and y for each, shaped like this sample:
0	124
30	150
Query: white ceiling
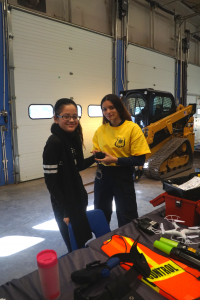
183	7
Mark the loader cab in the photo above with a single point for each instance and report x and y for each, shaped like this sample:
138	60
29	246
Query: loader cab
137	105
161	105
147	106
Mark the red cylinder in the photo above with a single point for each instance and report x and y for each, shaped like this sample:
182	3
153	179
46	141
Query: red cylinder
47	262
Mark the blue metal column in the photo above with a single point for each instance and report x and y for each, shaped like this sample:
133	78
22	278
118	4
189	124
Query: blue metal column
6	125
120	84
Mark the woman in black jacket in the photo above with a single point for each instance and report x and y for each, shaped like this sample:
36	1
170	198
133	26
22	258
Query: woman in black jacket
62	161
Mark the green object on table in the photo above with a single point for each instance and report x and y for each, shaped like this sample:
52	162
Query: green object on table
168	242
163	247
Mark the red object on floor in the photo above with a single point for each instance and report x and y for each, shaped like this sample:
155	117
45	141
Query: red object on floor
188	211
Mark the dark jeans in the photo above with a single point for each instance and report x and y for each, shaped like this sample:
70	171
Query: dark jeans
59	215
116	182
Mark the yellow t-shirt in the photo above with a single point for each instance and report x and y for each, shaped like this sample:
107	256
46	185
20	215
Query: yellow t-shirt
123	141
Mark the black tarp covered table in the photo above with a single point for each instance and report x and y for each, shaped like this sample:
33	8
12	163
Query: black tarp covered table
28	287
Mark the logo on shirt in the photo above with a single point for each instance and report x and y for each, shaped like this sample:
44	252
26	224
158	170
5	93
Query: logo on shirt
120	142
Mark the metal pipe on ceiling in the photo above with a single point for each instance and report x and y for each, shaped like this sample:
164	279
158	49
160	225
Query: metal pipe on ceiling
194	32
176	61
193	94
181	68
127	24
113	28
156	4
153	28
69	11
171	2
126	48
10	58
189	16
4	59
116	32
150	26
4	157
177	57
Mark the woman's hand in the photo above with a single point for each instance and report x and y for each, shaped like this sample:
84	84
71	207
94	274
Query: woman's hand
109	159
66	220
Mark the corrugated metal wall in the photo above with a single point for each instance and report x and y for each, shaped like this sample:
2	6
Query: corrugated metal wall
43	63
148	69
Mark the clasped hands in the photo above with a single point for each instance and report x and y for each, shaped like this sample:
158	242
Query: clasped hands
109	159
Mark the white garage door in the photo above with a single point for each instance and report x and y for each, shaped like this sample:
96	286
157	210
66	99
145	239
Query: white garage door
148	69
54	60
194	97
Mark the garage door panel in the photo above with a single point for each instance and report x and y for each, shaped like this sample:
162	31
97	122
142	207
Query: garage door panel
69	89
30	166
135	85
37	75
193	79
68	54
54	39
86	69
50	29
43	62
149	58
137	72
148	69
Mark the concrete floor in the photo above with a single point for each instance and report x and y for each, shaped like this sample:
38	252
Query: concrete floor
27	204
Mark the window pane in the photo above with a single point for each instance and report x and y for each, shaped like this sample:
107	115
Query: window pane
94	111
131	105
79	110
140	104
167	104
157	106
136	107
40	111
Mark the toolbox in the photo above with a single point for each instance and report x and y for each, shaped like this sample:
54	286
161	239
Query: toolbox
192	194
187	210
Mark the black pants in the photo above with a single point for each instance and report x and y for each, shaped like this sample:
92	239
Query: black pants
116	182
59	215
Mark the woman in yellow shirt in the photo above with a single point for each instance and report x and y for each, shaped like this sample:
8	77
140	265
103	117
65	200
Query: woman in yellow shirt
125	146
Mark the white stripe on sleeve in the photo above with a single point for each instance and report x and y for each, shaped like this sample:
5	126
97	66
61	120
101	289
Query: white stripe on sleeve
50	166
50	171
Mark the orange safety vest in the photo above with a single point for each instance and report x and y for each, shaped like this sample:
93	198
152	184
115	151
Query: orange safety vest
170	278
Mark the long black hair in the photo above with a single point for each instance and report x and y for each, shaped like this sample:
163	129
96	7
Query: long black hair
118	105
59	107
